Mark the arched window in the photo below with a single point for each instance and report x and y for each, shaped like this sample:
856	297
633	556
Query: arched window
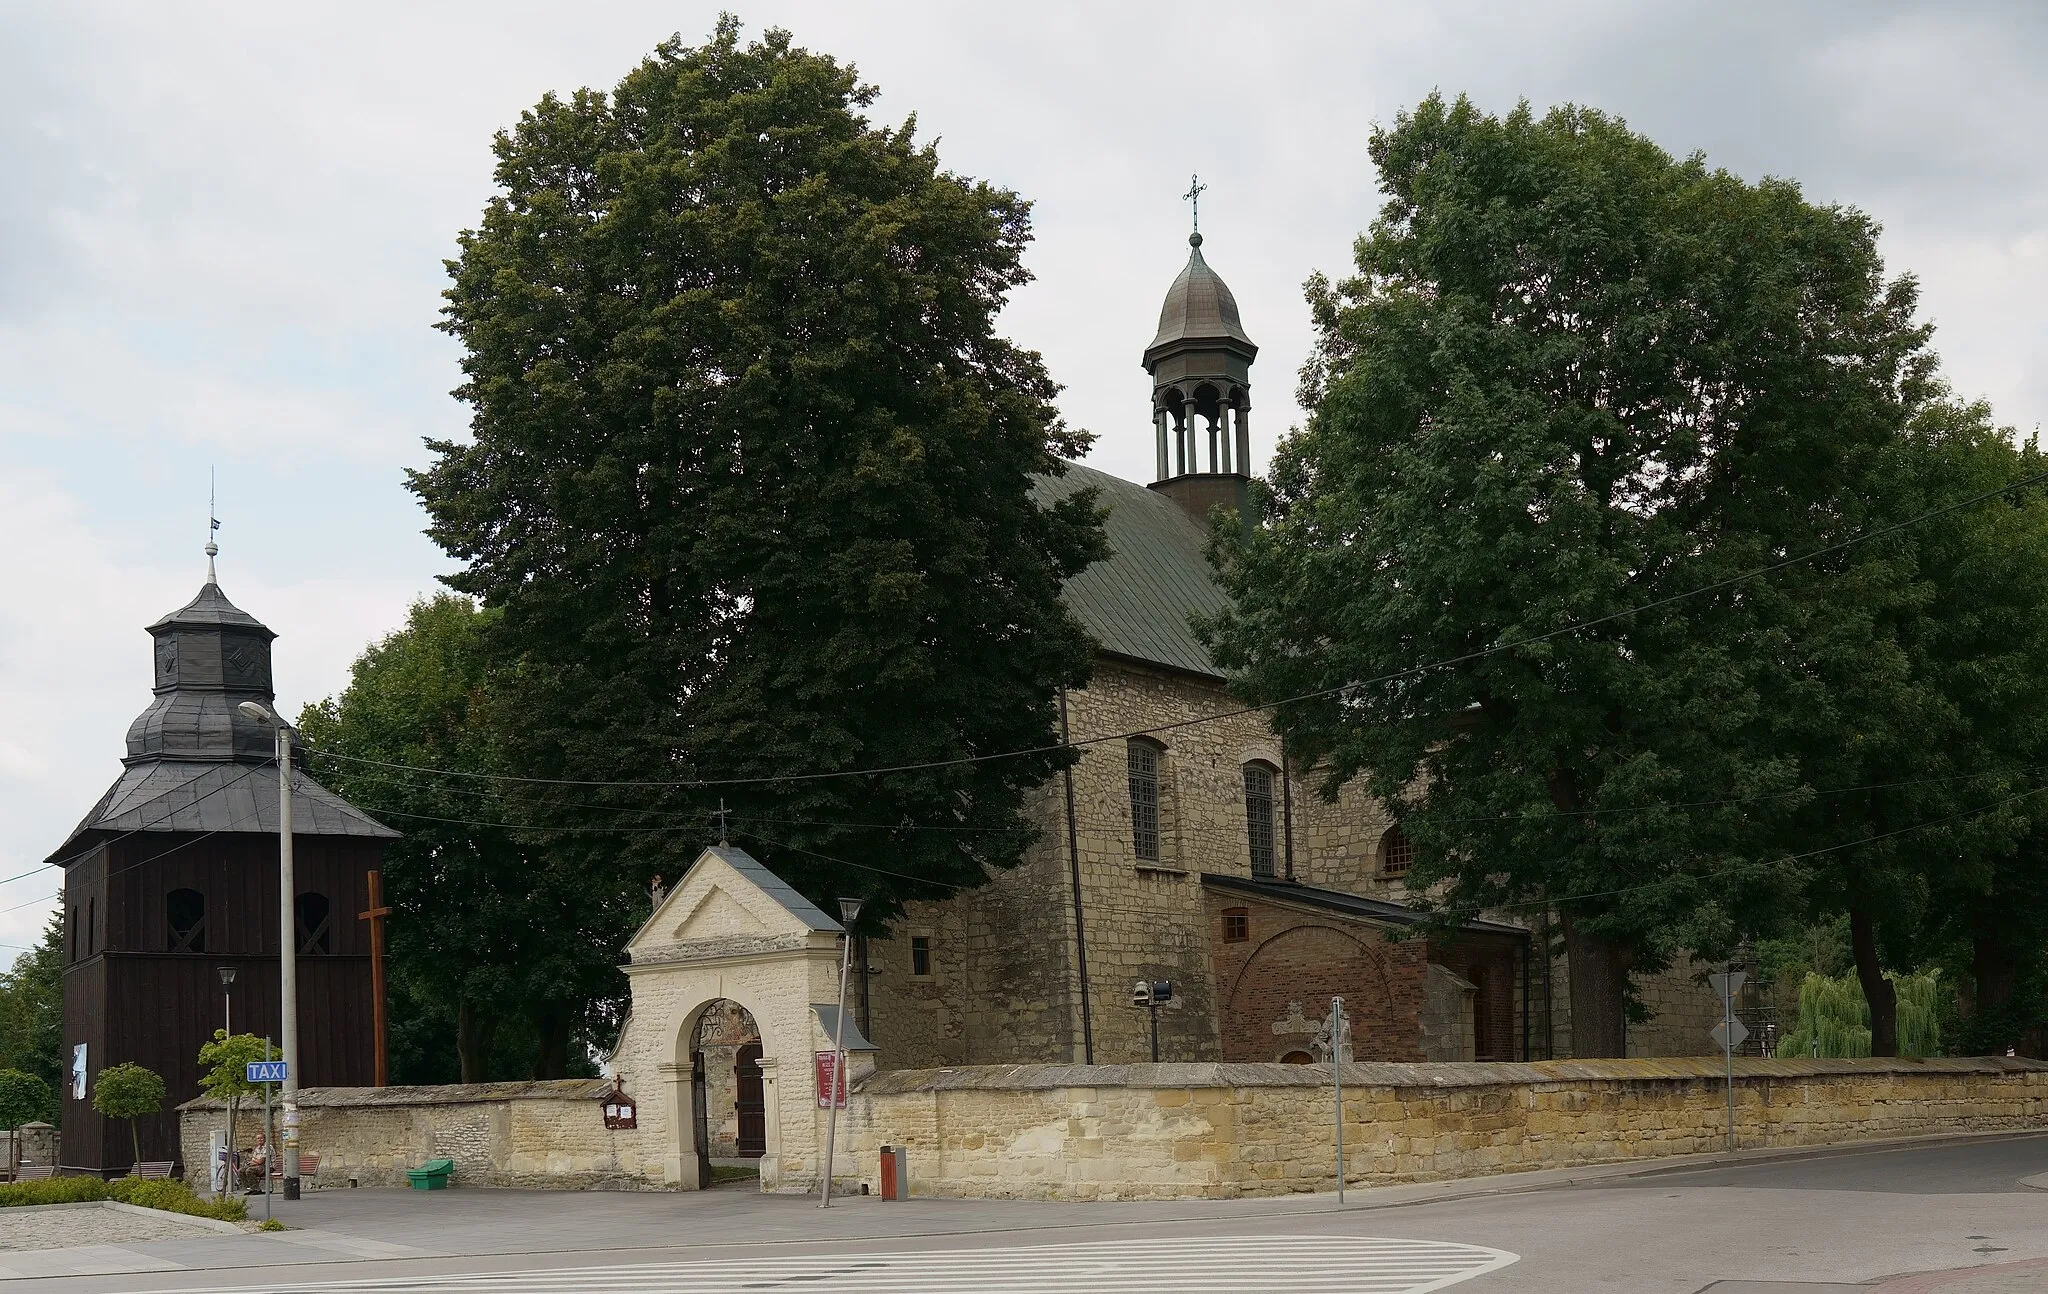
1397	852
185	912
316	923
1258	816
1143	758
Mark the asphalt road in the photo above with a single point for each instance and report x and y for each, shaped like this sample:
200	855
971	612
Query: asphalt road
1853	1219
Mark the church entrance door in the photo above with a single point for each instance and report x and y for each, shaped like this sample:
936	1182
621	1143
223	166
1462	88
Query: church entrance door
749	1104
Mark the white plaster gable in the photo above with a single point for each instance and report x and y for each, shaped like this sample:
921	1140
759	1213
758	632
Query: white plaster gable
726	893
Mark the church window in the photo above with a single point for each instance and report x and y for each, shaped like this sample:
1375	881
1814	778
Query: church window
185	911
921	955
1397	852
1237	925
316	924
1144	770
1258	816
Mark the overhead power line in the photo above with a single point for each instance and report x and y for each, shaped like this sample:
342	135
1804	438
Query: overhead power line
1319	694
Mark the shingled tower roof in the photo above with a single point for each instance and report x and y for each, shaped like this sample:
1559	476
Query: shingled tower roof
195	762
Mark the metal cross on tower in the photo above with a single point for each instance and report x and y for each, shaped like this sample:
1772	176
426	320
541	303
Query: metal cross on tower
1194	195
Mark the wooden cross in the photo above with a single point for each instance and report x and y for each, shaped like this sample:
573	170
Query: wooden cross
375	916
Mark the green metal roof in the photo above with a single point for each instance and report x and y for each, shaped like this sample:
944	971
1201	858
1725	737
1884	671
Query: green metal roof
1136	602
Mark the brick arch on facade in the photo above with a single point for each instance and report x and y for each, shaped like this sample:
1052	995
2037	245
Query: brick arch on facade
1287	979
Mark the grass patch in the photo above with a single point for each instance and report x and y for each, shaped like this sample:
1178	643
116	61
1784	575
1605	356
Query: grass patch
725	1173
170	1196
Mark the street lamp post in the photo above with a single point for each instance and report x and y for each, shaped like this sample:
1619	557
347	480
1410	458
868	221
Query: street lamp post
849	912
287	943
227	994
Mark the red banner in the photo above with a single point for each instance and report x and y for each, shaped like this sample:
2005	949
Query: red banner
824	1064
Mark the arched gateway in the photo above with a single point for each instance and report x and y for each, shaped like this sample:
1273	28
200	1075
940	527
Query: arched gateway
734	943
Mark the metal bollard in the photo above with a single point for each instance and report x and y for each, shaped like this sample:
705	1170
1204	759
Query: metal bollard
895	1174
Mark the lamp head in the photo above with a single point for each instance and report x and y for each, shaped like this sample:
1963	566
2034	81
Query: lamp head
849	911
257	711
227	976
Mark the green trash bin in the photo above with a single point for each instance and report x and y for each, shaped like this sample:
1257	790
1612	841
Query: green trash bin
432	1175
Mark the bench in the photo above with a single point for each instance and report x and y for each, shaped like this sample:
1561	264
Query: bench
151	1169
309	1165
34	1172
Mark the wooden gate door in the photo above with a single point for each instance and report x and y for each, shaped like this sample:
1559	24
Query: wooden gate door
753	1110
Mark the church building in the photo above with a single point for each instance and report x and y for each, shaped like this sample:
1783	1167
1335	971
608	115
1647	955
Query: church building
171	882
1200	854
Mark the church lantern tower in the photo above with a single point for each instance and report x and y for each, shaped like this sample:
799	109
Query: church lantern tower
173	878
1201	391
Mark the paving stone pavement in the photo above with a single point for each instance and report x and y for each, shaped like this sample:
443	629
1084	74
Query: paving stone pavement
1277	1264
73	1225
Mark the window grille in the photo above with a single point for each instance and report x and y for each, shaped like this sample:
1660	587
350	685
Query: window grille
185	912
1397	852
1237	925
920	955
1144	769
1258	817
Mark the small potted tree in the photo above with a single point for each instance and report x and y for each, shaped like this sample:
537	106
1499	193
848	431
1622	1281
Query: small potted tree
129	1091
223	1075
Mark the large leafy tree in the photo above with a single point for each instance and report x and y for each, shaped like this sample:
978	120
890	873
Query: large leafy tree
32	1007
750	483
1574	376
489	938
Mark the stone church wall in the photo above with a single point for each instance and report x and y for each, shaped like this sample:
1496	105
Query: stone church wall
1234	1130
1005	984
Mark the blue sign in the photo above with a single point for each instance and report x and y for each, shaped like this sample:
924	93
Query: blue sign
264	1071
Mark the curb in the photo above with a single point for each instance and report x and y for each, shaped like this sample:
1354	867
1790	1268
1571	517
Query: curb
1403	1193
116	1206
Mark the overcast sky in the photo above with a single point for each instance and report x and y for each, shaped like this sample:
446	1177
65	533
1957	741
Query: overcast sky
222	229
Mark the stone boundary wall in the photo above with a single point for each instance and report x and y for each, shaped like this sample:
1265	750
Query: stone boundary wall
1181	1131
1230	1130
537	1134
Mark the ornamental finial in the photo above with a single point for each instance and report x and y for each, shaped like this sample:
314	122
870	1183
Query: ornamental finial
1194	197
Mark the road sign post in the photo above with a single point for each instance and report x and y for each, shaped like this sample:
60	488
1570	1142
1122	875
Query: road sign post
1730	1033
1337	1080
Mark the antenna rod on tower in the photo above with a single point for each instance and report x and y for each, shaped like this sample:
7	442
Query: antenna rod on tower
212	524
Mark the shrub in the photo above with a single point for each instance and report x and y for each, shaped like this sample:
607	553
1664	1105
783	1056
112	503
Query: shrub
170	1196
1833	1013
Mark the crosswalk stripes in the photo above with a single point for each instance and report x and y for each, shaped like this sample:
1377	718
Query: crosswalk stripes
1297	1264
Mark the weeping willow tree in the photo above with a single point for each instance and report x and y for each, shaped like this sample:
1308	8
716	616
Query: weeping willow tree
1834	1017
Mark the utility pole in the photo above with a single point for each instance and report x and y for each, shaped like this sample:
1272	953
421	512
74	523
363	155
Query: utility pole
849	912
287	943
